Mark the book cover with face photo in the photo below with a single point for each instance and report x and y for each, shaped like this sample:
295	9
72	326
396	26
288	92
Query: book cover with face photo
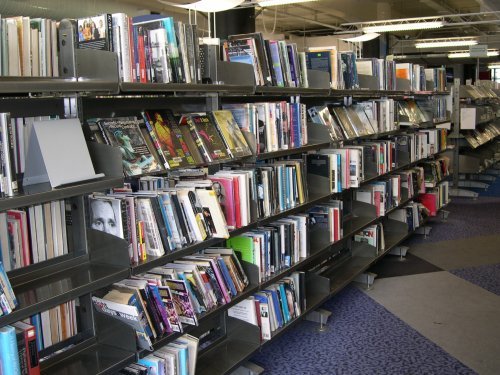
105	215
126	134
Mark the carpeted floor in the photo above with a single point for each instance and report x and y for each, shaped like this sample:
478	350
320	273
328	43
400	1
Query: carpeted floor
378	333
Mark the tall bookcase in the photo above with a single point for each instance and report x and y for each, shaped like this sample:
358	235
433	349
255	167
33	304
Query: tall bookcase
97	260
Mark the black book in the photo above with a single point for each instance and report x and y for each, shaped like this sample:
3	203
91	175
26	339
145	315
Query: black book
182	218
162	228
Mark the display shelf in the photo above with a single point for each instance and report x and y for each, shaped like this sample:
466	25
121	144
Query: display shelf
39	193
45	85
366	93
62	286
242	340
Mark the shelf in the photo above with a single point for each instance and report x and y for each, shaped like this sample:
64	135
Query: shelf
97	359
36	194
242	341
25	85
135	87
56	288
291	151
364	93
272	90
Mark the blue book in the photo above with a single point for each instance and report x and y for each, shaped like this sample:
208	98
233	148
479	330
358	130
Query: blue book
9	360
276	304
276	62
183	356
284	303
167	222
153	365
36	322
227	276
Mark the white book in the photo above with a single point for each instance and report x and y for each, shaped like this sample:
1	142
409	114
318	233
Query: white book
26	46
35	53
159	55
194	223
152	238
40	232
4	242
62	208
53	49
245	310
32	226
13	48
48	51
213	212
57	231
46	329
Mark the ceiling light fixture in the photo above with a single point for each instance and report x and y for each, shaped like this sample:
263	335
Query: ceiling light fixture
270	3
208	6
494	66
445	42
465	54
404	26
362	38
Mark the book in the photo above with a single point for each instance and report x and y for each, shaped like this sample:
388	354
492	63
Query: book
28	353
231	133
126	134
170	140
95	32
9	360
207	138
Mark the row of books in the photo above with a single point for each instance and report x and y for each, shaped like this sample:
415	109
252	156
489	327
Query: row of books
33	234
158	141
150	48
336	169
275	246
271	126
418	75
275	306
372	235
22	341
156	222
435	171
383	70
28	47
275	62
176	358
327	217
360	119
479	137
412	214
8	300
436	197
160	301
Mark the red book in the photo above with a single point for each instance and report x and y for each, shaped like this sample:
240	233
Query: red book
30	351
237	208
142	58
429	201
20	217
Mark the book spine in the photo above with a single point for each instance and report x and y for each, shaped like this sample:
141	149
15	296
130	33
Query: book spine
8	347
154	138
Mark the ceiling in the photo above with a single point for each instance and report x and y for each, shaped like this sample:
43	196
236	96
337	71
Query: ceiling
316	18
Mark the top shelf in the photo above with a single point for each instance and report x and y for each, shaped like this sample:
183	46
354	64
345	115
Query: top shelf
51	85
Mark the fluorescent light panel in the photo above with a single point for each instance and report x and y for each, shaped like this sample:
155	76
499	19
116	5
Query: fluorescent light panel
445	43
494	66
362	38
270	3
403	26
464	54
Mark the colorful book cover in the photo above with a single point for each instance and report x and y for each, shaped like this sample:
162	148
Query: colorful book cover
182	301
96	32
231	133
170	139
126	134
9	360
209	137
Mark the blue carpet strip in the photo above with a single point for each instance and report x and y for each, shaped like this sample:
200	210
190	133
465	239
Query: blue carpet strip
487	276
361	337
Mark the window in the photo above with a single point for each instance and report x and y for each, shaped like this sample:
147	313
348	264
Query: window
495	75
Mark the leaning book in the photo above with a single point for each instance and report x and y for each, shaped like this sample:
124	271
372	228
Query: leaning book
126	134
126	314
